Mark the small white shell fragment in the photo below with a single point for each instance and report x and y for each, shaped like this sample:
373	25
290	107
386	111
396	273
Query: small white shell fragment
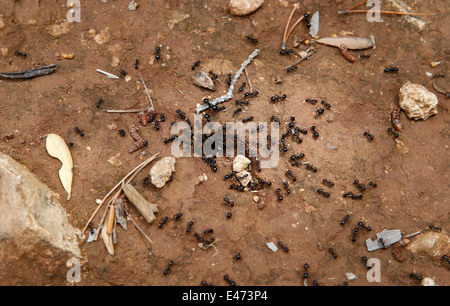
272	246
350	276
98	201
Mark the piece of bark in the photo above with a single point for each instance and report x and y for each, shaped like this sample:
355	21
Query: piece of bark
146	208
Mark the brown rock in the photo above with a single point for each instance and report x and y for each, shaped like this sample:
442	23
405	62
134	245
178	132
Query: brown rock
431	242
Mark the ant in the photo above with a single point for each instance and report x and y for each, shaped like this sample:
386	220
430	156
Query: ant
394	69
20	53
195	65
255	40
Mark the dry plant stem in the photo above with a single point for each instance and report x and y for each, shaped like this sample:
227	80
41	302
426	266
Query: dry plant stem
295	24
412	235
381	12
357	5
140	167
112	215
126	110
139	228
248	80
102	220
152	108
302	59
287	26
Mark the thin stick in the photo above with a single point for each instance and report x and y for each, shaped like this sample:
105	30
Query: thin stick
302	59
356	5
126	110
148	95
248	80
381	12
139	228
115	187
412	235
287	26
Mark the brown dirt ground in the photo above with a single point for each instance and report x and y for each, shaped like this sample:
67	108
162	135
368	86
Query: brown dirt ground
411	192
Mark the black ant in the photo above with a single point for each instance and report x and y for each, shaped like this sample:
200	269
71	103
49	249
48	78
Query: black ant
255	40
21	53
394	69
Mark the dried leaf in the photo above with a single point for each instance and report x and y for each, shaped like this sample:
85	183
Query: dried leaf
352	43
314	29
57	148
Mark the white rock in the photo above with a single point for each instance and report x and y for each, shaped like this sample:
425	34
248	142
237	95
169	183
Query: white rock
417	102
240	163
244	7
162	170
245	180
350	276
272	246
428	282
